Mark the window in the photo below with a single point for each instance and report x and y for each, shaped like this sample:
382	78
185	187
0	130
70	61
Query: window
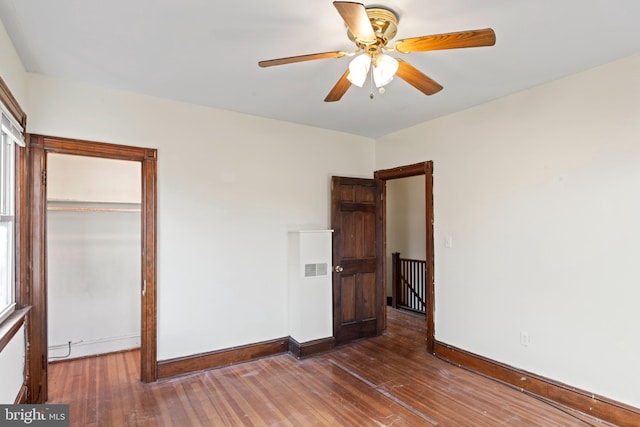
10	135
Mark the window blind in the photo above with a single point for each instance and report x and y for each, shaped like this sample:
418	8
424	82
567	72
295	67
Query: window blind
10	127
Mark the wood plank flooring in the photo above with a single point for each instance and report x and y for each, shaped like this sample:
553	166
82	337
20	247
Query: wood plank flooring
383	381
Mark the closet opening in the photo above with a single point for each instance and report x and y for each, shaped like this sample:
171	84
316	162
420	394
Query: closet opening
93	256
66	211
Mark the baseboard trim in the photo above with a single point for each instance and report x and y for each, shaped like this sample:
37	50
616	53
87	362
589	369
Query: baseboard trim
311	348
216	359
580	400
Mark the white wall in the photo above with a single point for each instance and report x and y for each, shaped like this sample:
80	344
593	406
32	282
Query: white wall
11	69
12	356
230	187
539	191
93	255
90	179
12	368
406	221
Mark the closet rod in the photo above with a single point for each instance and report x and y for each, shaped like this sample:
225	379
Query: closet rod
58	208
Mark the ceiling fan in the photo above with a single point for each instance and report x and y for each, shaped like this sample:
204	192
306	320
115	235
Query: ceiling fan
371	28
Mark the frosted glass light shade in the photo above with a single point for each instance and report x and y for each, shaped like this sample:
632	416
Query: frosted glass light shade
384	70
358	69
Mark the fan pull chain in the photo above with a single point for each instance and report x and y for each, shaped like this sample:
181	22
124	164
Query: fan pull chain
371	82
381	89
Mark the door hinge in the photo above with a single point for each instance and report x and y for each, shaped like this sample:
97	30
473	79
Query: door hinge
44	177
44	365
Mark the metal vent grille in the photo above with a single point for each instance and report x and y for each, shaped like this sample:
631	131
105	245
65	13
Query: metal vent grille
315	270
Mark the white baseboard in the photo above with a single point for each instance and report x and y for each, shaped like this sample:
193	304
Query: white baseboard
93	347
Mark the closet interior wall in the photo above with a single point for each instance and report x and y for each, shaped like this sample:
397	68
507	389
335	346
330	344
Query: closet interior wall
93	253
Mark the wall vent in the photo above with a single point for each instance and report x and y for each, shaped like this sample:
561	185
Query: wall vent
315	270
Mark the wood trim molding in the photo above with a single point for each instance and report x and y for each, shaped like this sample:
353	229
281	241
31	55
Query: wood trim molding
149	333
430	252
103	150
37	276
311	348
401	171
21	399
22	243
580	400
12	104
216	359
416	169
40	146
11	326
22	239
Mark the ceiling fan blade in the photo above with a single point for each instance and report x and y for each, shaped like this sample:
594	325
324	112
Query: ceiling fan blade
356	18
417	79
471	38
339	89
302	58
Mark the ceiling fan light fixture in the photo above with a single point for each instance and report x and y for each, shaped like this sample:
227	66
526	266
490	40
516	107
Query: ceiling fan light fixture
371	28
358	69
384	68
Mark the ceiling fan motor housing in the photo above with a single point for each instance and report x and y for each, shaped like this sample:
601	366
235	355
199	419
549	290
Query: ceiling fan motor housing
385	25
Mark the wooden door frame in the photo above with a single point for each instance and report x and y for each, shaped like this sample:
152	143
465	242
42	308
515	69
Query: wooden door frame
416	169
39	147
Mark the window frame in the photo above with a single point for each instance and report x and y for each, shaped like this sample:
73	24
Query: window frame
10	137
12	143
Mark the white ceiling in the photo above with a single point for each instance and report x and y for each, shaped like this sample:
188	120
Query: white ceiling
206	52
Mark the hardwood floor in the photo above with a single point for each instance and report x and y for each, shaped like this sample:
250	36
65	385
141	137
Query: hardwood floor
383	381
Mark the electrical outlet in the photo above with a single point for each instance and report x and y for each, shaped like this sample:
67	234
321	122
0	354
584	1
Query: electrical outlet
525	339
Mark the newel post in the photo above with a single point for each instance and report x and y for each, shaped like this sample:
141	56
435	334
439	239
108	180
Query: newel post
395	279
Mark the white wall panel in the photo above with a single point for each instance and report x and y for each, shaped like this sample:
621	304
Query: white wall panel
230	187
539	192
12	368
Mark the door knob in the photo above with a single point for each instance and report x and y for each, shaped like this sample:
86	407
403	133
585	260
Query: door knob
338	269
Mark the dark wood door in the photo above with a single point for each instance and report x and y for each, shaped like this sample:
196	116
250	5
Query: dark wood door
358	294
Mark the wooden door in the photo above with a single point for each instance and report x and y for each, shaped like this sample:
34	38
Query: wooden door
358	293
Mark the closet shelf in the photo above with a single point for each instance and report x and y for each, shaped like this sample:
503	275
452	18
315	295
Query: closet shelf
79	209
92	206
